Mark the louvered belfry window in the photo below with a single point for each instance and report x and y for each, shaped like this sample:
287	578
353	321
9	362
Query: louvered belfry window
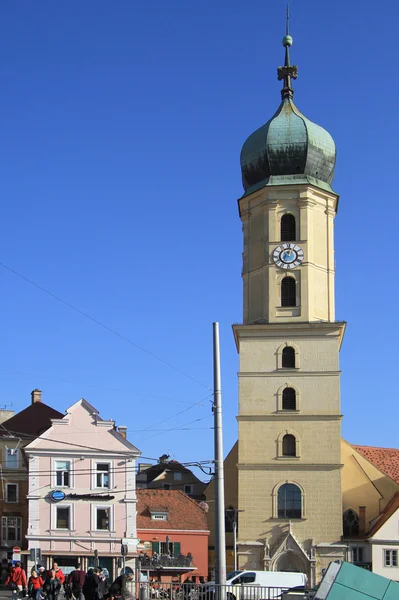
288	291
287	228
289	399
288	358
289	445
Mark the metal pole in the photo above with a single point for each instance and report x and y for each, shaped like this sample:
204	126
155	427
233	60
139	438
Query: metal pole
220	535
235	539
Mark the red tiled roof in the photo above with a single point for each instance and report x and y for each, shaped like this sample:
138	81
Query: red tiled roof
388	511
183	512
31	421
385	459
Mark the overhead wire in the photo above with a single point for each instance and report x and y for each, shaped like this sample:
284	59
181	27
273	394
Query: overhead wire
99	387
103	325
100	450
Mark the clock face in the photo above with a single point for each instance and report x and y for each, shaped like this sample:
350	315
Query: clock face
288	256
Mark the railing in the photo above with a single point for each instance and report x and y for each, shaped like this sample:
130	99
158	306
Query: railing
144	590
163	561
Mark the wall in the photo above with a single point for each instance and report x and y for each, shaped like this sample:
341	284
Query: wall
194	542
364	485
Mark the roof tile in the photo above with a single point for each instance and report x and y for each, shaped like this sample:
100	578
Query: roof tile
183	512
385	459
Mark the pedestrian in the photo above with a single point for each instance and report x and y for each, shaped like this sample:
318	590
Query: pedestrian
35	585
119	587
90	586
58	573
102	584
52	585
16	580
76	581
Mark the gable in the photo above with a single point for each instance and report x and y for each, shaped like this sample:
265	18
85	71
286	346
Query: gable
82	427
389	529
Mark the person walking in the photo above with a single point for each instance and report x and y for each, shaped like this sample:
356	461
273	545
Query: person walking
58	573
76	581
90	586
35	585
102	584
16	580
52	585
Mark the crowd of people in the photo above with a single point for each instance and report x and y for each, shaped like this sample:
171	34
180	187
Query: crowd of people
77	585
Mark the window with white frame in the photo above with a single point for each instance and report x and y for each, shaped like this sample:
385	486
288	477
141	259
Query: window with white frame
159	516
390	558
102	517
11	530
63	517
102	474
357	555
11	492
177	476
12	458
188	488
62	473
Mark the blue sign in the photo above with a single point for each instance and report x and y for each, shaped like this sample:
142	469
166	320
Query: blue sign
57	495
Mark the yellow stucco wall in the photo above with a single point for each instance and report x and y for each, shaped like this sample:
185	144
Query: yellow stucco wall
363	484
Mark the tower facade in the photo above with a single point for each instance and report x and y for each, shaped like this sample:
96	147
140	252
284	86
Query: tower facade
289	419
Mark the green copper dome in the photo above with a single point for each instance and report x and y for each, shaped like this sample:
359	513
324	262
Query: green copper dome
288	148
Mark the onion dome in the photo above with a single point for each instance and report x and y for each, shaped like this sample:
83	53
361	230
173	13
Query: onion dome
288	148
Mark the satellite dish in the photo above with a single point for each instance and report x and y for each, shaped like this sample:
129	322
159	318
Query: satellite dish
204	506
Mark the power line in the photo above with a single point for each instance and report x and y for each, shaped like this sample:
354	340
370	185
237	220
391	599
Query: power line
177	428
99	450
104	326
99	387
175	415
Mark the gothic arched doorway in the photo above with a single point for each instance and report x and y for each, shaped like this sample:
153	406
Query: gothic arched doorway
290	561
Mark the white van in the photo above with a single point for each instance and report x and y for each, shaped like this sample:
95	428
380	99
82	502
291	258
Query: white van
262	585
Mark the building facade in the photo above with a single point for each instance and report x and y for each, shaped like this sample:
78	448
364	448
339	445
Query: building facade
170	475
82	491
173	533
16	432
289	418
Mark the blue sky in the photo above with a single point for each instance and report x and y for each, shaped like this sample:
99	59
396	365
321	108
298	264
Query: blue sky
122	124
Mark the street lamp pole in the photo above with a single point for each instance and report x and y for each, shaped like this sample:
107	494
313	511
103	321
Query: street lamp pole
220	534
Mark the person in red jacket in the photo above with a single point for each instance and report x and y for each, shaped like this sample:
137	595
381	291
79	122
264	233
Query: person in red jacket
58	573
16	580
35	585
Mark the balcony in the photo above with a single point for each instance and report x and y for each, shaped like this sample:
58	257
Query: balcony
165	562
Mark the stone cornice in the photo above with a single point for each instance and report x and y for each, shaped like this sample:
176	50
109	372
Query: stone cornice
276	466
292	329
292	373
294	416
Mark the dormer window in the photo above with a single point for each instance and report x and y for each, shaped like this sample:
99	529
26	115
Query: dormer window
159	515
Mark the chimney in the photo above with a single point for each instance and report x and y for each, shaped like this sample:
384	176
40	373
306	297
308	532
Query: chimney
122	429
362	521
36	396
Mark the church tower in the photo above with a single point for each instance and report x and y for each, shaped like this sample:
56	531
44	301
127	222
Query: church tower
289	418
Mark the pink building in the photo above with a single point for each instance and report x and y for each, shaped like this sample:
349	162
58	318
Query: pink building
82	491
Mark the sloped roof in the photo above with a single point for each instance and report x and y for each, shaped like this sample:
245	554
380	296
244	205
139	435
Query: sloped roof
183	512
31	421
388	511
385	459
155	470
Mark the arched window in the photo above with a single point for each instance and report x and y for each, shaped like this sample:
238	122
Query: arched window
289	399
287	228
350	523
288	291
288	358
289	445
289	502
